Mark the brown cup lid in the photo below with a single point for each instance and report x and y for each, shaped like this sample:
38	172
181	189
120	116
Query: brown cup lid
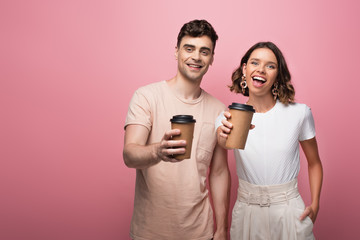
182	119
243	107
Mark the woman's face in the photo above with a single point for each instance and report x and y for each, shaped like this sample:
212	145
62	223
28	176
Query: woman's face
261	71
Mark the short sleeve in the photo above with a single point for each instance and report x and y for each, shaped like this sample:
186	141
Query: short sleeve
139	111
307	130
218	120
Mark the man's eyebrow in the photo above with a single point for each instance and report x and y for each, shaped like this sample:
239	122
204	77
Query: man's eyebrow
189	45
193	46
205	48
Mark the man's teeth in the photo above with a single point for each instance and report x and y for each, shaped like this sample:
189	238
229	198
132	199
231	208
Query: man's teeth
259	79
196	66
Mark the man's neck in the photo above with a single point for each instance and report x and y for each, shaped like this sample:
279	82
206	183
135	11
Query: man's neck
186	89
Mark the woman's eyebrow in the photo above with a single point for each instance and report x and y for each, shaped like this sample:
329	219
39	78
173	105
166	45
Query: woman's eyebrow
256	59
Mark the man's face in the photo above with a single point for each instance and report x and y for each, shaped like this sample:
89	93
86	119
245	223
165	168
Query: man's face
194	56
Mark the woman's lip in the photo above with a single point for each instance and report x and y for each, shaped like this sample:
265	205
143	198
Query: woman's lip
258	83
261	77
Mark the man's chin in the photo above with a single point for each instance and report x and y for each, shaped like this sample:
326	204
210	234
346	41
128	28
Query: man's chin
196	78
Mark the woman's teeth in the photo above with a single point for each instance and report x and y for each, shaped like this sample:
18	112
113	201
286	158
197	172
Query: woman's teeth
259	79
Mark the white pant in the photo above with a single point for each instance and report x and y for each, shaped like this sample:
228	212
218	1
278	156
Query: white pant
269	213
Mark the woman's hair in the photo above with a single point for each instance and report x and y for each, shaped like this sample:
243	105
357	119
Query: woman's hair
197	28
286	89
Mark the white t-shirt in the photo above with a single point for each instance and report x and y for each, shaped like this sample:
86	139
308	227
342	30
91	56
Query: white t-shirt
271	154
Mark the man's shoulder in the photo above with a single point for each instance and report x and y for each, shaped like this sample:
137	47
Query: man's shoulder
151	87
151	91
213	100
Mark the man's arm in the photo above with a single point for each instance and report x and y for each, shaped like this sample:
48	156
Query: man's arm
137	154
220	181
315	177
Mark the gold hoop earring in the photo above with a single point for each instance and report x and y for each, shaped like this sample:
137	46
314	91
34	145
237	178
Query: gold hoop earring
243	84
275	91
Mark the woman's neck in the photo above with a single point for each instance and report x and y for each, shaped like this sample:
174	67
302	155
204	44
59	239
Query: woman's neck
262	104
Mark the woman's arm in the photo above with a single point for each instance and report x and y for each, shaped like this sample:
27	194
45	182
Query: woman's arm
315	169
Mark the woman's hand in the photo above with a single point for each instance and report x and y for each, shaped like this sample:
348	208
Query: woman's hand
226	126
224	130
311	212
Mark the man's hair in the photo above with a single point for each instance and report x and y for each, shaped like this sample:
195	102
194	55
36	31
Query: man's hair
198	28
286	89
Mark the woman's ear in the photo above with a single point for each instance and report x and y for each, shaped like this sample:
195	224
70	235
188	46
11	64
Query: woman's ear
244	68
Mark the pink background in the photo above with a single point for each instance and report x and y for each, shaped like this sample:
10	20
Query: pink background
69	68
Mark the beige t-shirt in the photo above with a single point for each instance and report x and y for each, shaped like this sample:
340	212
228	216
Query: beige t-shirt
171	199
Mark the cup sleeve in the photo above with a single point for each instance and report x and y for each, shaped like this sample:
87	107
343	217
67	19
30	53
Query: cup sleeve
218	120
307	130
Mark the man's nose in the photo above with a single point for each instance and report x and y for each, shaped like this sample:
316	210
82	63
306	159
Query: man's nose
196	55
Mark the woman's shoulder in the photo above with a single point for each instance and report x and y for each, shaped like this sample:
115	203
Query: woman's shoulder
294	107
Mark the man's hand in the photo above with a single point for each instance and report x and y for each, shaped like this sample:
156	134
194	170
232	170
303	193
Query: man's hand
138	155
167	147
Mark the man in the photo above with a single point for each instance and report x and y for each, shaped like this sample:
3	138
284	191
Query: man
171	198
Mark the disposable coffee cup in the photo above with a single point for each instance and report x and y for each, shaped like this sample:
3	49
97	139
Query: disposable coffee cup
241	116
186	124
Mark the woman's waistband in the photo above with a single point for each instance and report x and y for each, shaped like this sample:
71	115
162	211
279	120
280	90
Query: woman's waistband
266	195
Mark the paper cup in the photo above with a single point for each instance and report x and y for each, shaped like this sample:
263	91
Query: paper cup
186	124
241	116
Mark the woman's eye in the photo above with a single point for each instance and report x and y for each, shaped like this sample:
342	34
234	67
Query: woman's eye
271	67
254	63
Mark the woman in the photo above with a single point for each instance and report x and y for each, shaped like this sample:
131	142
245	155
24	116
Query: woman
268	204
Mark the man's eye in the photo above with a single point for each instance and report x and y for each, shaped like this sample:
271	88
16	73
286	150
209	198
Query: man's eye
205	53
189	49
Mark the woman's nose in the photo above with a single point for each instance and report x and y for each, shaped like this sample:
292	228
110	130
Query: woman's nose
261	68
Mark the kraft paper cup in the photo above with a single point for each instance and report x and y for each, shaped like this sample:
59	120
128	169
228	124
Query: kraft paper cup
186	124
241	116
